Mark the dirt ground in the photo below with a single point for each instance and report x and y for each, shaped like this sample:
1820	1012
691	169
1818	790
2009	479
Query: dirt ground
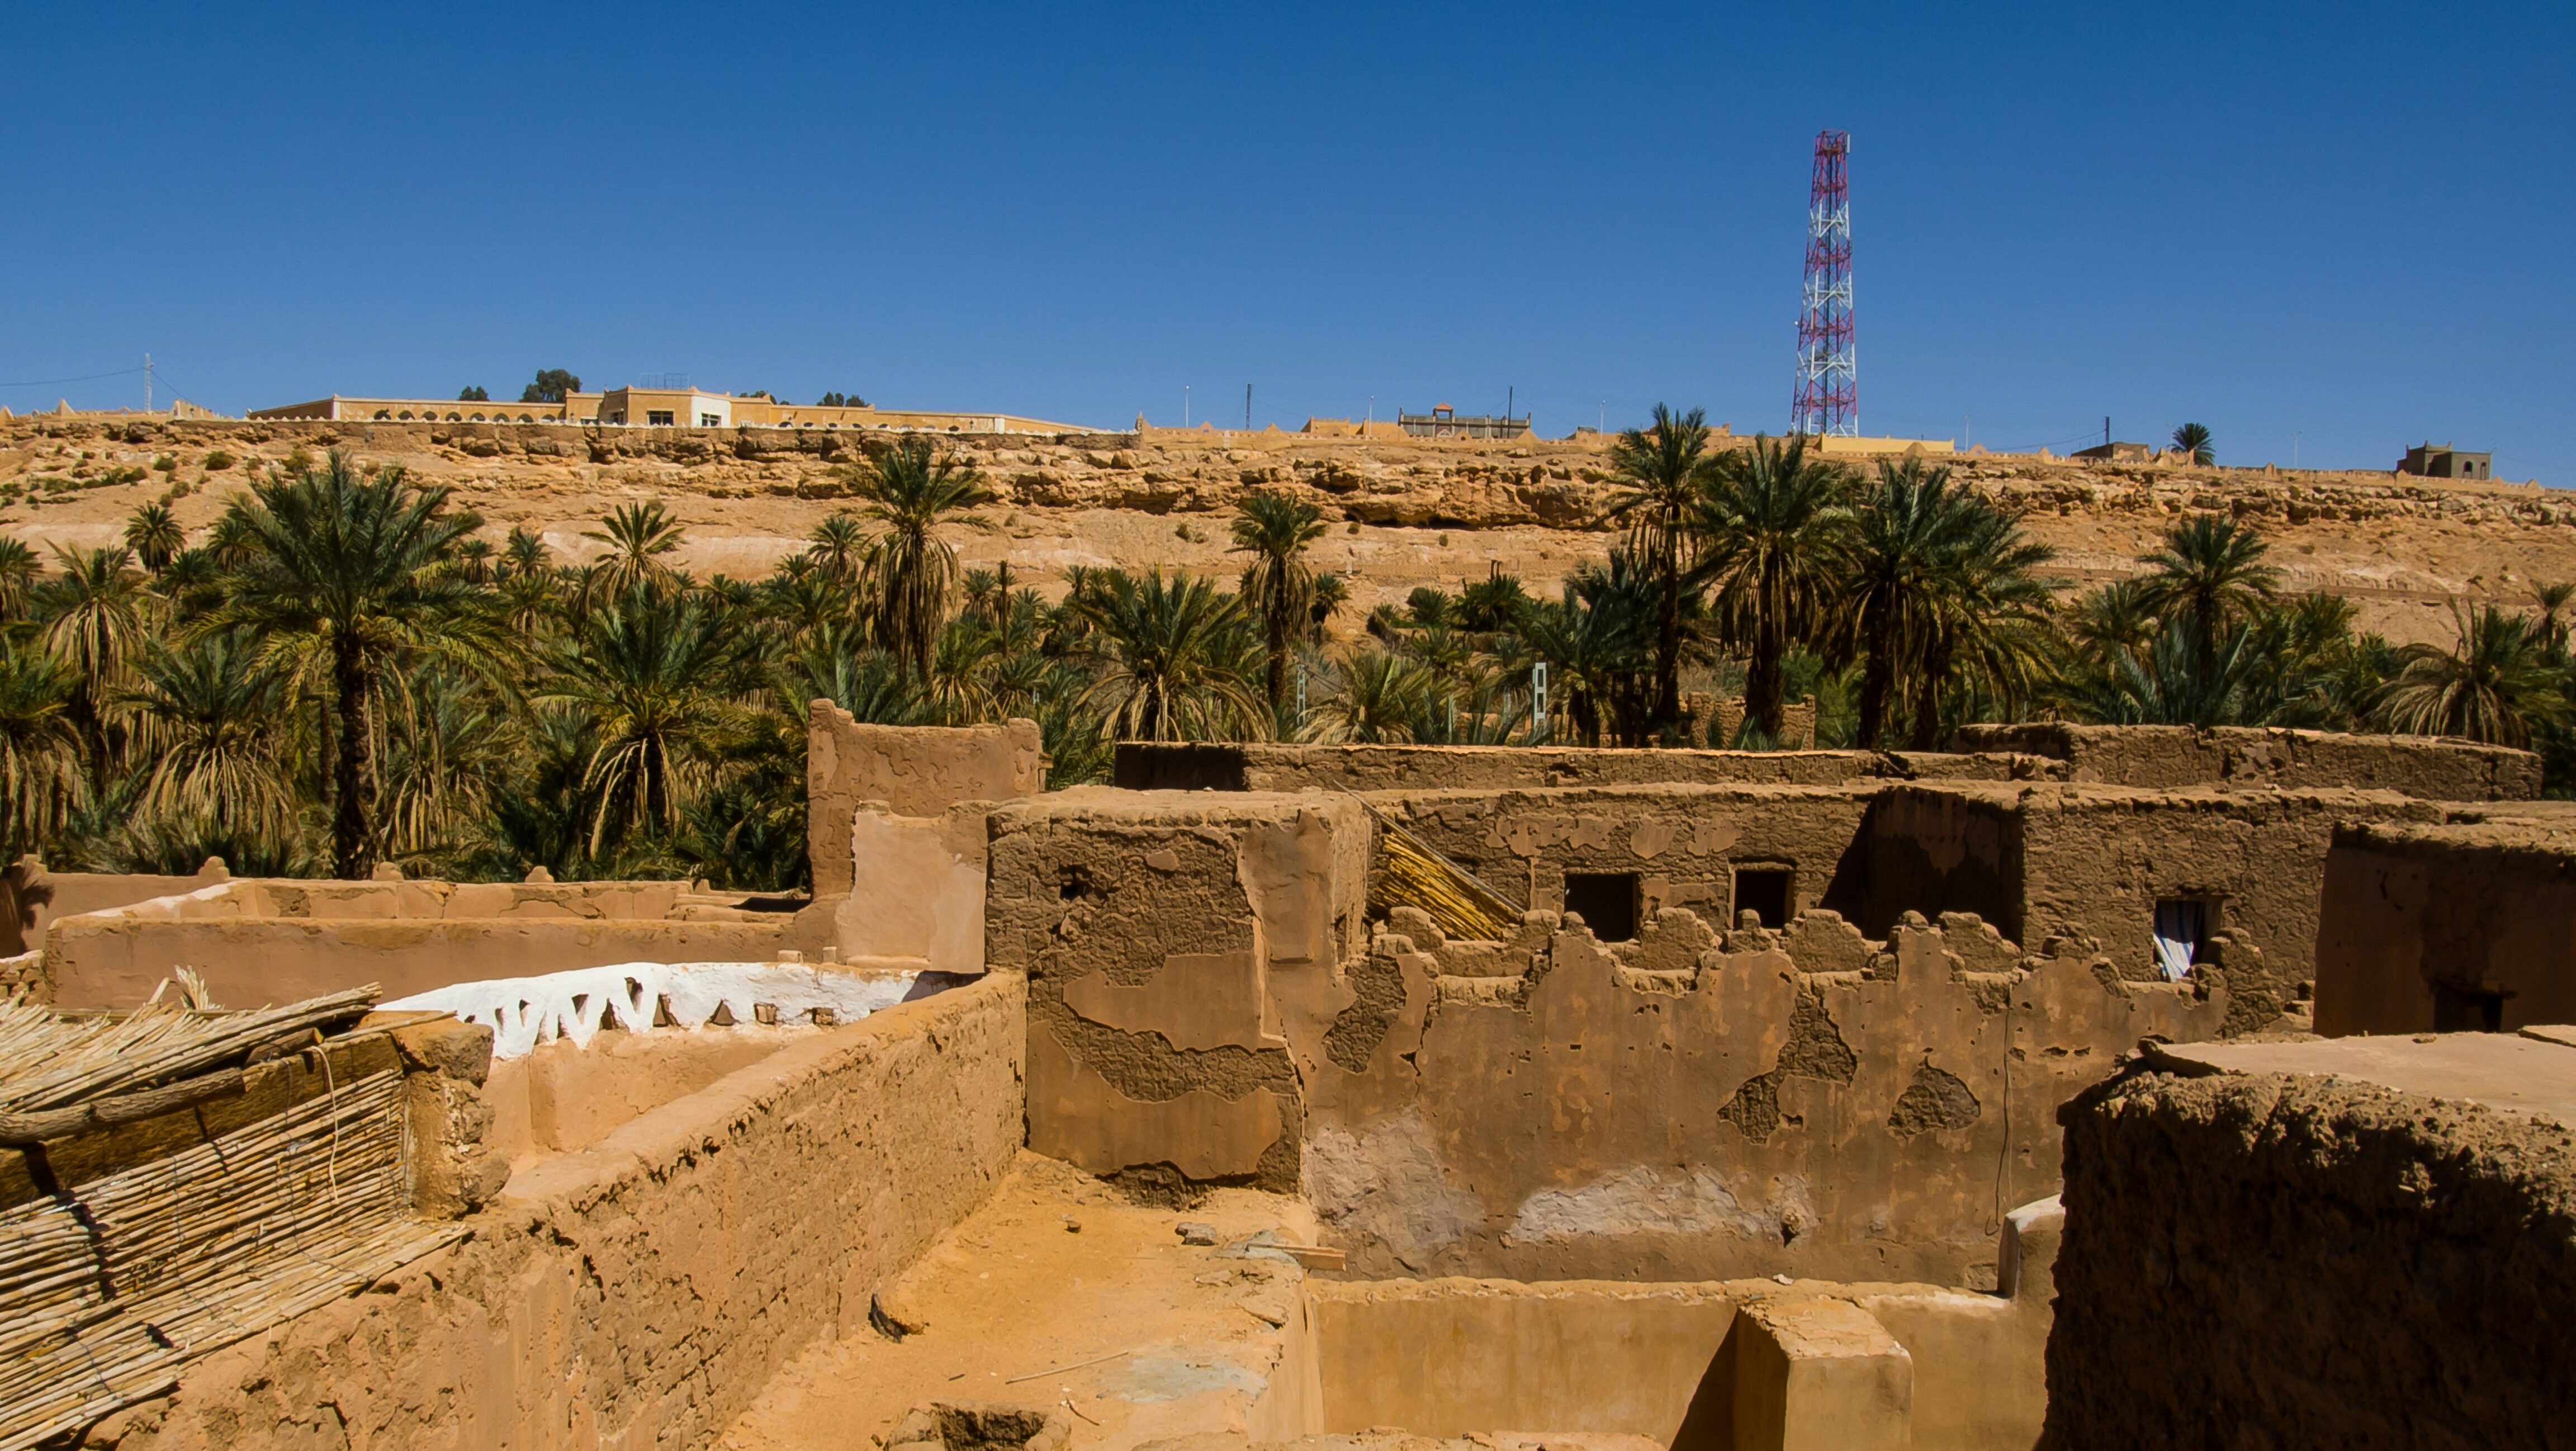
1403	514
1137	1335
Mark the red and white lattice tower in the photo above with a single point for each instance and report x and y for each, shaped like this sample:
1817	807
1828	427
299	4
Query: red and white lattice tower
1828	395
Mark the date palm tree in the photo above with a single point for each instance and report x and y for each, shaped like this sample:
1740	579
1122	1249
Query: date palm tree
640	539
40	773
1172	658
2194	442
353	568
217	707
2209	574
155	536
1664	470
18	574
1893	556
1769	522
2494	686
1988	616
1377	696
912	489
656	674
98	614
1278	585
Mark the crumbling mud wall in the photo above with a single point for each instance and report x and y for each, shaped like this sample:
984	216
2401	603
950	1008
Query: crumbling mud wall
1683	843
1286	766
1701	1105
911	770
919	894
2093	862
273	940
2485	910
641	1292
1158	936
2243	756
2278	1260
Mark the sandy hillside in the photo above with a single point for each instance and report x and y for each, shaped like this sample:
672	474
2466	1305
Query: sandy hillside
1405	514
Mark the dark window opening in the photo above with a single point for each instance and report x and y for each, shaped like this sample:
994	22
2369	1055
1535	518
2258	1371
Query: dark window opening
657	417
2466	1010
2182	935
1607	902
1766	893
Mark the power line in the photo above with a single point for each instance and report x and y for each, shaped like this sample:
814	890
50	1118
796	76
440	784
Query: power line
84	378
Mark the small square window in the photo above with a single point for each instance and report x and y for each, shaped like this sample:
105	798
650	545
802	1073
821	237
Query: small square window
1768	893
1607	903
709	420
657	417
2182	935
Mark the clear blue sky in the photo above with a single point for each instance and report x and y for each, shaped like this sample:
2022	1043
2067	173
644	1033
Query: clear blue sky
2348	223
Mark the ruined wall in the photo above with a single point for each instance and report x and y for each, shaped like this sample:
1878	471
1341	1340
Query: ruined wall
919	891
277	941
2167	756
2299	1261
2487	908
643	1291
2091	862
1683	842
1155	933
1700	1106
1282	766
913	770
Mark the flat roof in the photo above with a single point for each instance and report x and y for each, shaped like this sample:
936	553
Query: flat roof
2530	1074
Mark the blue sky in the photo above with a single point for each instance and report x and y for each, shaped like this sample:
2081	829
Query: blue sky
2335	228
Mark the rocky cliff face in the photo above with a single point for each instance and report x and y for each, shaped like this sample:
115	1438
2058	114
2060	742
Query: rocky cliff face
1407	512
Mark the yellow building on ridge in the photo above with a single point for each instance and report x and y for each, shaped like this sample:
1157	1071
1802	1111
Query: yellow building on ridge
660	408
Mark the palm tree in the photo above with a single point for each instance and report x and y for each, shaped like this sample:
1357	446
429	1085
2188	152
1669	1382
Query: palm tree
98	614
2494	687
1596	637
912	489
2210	574
1665	472
2164	684
154	536
1988	616
1893	555
1768	521
1278	585
656	673
839	547
217	707
639	537
2193	440
2552	601
2111	620
18	572
352	568
40	774
1172	658
1376	698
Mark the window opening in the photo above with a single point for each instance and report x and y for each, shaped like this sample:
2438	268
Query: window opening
1766	893
2466	1010
2182	935
1607	902
657	417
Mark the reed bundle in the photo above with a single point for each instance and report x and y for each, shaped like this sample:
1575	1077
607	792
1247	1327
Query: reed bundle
108	1287
51	1061
1412	873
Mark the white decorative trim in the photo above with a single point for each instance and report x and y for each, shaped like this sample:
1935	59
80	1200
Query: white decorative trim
523	1012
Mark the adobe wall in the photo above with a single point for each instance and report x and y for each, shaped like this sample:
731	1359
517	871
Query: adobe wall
1683	842
2094	860
1154	930
918	896
564	1096
1283	766
2428	768
73	893
1457	1357
2487	907
642	1292
276	941
913	770
1700	1105
2295	1260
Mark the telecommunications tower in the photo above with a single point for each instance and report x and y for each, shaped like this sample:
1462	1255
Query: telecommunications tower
1828	392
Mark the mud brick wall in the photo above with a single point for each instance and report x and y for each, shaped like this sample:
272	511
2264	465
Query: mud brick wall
2486	907
641	1292
1698	1105
2272	1260
2242	756
1156	932
914	770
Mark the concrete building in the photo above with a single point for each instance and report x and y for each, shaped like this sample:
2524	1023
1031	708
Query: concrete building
1444	421
2446	462
660	408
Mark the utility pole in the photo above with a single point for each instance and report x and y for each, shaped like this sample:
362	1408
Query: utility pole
147	382
1372	408
1601	416
1511	392
1247	408
2106	430
1185	405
